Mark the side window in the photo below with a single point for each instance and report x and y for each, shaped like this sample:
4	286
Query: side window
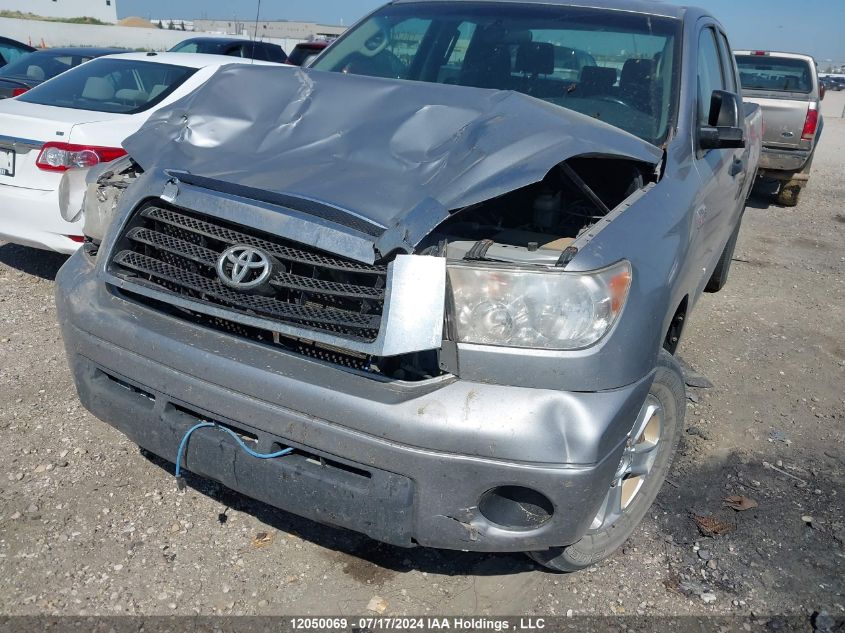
710	76
10	53
260	52
730	64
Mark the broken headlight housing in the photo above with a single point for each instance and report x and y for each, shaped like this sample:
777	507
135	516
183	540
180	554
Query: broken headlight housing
535	308
105	185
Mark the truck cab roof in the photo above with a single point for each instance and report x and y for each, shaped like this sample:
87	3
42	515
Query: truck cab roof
650	7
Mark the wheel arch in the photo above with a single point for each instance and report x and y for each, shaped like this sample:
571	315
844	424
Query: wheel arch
676	326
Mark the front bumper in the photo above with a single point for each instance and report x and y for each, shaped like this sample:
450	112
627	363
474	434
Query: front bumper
405	463
32	217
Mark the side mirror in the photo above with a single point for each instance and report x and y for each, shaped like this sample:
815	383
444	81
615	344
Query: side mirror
822	91
724	124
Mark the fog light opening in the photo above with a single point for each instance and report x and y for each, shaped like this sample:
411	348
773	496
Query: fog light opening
515	507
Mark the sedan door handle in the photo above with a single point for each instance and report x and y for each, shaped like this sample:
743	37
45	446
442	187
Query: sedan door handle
737	167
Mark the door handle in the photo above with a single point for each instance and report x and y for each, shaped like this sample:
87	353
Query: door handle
737	167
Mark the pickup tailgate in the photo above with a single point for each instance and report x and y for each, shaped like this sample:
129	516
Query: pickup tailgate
784	120
786	88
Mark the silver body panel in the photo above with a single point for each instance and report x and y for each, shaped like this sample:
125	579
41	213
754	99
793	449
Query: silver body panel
552	421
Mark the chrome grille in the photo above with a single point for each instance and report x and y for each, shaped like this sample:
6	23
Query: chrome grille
176	251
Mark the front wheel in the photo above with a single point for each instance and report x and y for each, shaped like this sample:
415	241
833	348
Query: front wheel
641	471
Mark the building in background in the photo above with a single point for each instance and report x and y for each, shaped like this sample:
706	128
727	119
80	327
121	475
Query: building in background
103	10
173	25
280	29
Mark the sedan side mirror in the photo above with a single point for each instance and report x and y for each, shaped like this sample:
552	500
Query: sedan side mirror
724	125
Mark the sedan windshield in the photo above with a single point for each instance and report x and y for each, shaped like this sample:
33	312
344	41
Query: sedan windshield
615	66
125	86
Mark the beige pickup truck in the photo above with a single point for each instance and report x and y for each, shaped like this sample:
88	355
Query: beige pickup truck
787	88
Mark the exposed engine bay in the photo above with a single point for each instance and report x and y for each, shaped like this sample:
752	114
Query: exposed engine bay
536	223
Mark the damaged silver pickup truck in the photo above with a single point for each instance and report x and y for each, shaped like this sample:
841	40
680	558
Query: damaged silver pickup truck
439	276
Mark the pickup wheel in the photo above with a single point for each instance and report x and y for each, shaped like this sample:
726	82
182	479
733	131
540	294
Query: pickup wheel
638	478
788	196
719	278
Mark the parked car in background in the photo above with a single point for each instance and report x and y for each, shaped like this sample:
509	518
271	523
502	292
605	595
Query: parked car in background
11	49
51	134
444	315
787	88
249	49
305	52
833	83
35	68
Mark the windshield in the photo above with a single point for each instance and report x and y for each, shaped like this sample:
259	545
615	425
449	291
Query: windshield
42	66
123	86
777	74
612	65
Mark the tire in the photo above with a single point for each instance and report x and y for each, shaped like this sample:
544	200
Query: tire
669	392
719	278
788	195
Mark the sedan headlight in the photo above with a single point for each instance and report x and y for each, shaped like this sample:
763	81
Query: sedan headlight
543	309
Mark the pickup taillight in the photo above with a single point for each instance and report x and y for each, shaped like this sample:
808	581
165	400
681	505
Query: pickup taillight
810	123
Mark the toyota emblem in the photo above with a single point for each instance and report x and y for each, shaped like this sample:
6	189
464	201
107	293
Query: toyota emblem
244	267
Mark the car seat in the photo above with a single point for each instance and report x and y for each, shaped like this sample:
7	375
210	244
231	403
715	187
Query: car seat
35	73
636	83
596	80
487	65
97	89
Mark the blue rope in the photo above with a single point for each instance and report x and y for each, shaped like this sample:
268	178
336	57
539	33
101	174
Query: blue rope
237	438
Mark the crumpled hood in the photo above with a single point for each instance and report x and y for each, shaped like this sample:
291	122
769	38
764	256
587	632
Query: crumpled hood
399	154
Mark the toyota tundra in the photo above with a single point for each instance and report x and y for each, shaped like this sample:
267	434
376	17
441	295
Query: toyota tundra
429	289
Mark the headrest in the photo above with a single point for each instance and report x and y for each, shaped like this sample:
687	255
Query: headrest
157	90
598	76
535	58
637	71
35	72
97	88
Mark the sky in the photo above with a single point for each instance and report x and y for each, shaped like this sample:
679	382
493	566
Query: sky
803	26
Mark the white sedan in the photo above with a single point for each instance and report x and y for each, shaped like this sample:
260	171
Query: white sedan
75	121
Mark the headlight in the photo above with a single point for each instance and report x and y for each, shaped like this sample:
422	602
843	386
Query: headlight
544	309
105	185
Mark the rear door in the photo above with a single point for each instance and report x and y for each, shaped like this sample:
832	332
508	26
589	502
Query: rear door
784	88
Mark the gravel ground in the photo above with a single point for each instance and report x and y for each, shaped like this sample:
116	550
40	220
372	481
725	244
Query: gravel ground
90	525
